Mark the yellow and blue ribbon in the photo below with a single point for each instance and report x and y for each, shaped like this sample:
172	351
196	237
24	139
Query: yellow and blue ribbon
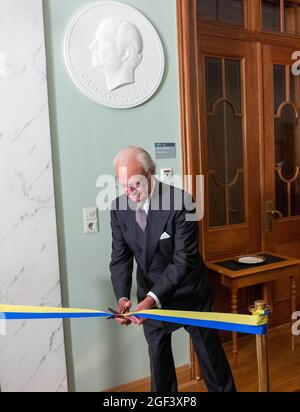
255	324
13	312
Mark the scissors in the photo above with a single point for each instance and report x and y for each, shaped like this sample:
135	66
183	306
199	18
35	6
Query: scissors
115	313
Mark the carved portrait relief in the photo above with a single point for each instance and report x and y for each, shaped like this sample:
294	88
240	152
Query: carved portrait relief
114	55
117	50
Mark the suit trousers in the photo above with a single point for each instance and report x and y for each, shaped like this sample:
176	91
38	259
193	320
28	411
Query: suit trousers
210	354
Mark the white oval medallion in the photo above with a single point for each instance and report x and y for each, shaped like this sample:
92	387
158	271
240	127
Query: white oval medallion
114	55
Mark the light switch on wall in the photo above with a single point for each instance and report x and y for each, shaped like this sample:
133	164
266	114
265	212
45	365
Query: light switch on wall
90	220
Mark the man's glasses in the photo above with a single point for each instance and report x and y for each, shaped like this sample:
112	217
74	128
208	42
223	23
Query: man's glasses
132	187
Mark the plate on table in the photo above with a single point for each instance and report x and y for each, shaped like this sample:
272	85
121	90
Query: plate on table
250	259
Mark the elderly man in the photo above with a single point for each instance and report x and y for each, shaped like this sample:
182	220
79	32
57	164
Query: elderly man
151	223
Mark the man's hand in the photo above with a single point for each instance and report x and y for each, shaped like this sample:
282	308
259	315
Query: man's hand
123	307
146	304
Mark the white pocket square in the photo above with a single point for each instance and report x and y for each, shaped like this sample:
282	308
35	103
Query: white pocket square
165	235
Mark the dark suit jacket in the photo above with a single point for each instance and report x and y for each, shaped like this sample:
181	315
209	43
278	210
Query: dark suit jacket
170	268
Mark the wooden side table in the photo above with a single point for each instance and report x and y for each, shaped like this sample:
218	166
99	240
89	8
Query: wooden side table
244	276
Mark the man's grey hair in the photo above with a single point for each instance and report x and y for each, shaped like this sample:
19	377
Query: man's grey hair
137	154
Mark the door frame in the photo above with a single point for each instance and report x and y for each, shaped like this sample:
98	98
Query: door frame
189	94
189	114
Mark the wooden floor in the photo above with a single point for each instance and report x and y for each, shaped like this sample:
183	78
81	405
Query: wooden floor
284	364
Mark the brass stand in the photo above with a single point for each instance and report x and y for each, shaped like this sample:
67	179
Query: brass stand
262	350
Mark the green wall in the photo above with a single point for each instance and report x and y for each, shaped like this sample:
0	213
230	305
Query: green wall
85	138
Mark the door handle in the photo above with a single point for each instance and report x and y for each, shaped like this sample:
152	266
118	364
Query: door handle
271	215
276	214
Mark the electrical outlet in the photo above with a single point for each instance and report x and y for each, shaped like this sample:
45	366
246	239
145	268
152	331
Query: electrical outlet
90	220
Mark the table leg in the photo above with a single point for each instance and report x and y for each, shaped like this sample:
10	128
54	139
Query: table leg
234	309
265	293
294	303
196	373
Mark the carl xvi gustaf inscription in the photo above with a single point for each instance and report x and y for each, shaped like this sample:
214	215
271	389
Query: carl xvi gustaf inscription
110	96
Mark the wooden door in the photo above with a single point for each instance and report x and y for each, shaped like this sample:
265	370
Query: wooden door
230	146
230	153
281	152
281	208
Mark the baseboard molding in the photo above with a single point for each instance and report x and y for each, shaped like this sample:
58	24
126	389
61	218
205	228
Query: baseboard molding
184	376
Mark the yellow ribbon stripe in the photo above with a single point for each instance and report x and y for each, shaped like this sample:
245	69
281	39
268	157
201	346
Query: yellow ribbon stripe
44	309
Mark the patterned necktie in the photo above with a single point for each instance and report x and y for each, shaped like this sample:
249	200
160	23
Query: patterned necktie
141	218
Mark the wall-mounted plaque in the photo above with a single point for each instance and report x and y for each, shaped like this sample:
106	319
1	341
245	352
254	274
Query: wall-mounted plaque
114	55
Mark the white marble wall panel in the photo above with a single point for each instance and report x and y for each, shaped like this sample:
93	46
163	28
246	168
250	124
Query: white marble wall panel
32	355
